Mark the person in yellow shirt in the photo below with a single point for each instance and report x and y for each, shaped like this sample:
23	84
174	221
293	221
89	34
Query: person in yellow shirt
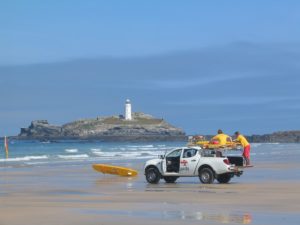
221	138
246	153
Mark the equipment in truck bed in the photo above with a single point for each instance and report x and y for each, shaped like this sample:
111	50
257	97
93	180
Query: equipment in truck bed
199	140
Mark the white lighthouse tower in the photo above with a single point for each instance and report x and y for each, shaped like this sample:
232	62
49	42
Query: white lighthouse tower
128	115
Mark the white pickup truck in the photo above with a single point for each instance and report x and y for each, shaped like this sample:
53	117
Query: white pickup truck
191	162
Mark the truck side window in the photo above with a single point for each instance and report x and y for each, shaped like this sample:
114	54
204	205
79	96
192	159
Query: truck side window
189	153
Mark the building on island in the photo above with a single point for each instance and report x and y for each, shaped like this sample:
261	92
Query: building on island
128	114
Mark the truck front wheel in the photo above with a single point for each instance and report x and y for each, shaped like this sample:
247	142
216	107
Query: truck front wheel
152	175
206	176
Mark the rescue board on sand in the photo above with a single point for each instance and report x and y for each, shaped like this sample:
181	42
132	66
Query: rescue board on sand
116	170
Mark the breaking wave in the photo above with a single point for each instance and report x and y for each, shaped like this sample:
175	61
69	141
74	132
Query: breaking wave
25	158
79	156
71	150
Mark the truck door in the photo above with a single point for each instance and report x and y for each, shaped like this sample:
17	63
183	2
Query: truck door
188	162
171	163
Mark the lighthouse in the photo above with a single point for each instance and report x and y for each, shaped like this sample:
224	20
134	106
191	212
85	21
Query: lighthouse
128	110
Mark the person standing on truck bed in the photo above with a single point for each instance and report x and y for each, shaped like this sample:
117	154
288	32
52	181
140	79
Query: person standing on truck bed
246	153
221	138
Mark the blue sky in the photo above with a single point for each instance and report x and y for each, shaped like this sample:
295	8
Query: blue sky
200	65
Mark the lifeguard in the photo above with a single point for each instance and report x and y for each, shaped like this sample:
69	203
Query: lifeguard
246	153
221	138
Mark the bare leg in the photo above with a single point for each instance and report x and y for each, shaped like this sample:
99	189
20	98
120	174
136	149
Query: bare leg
247	161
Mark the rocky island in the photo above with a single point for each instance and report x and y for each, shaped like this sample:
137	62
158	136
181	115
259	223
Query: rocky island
141	127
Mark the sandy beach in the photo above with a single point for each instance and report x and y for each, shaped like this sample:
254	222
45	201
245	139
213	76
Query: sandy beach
78	195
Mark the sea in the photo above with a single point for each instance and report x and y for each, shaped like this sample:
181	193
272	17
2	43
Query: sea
70	152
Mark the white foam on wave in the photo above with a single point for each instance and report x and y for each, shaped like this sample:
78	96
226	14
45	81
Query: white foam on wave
71	150
98	153
128	154
255	145
96	149
25	158
79	156
140	146
271	143
147	148
35	163
133	149
139	149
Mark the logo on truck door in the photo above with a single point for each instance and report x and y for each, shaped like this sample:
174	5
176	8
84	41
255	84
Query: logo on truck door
184	166
184	162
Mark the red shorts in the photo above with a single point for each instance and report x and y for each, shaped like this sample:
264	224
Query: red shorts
246	152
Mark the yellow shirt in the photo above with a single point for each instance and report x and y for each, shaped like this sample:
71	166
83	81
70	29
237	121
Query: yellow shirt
222	138
242	140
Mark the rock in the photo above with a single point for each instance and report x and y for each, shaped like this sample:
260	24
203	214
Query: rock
142	127
41	128
277	137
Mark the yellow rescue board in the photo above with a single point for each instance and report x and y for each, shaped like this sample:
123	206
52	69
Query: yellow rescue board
208	145
116	170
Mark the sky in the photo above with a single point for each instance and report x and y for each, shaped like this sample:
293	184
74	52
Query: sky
200	65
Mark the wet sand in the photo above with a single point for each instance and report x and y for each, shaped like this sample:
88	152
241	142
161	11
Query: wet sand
78	195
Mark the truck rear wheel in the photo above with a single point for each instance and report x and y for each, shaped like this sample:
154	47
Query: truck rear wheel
224	178
206	176
152	175
170	179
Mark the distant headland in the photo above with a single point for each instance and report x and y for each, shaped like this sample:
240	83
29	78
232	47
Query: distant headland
276	137
292	136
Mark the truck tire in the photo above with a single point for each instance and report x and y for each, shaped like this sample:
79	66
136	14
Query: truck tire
152	175
170	179
206	176
224	178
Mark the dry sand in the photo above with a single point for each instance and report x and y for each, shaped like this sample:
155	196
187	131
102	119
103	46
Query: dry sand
79	195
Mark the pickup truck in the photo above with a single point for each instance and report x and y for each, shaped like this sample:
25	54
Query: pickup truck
208	165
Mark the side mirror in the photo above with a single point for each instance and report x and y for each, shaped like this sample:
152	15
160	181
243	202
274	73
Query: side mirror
161	156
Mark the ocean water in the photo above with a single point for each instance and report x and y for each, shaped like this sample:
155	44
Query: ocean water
22	153
31	153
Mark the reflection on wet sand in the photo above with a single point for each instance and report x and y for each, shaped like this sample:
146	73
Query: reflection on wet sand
216	217
116	182
109	180
236	218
